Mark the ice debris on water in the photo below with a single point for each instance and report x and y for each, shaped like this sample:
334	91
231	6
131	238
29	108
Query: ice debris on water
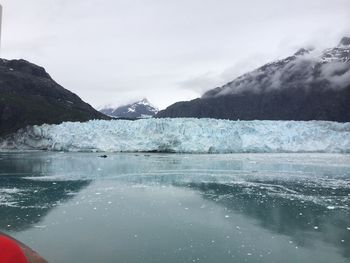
42	227
185	135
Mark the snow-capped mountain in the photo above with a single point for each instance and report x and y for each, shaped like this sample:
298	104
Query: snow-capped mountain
138	110
310	85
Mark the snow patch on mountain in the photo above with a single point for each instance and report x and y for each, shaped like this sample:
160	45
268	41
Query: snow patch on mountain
185	136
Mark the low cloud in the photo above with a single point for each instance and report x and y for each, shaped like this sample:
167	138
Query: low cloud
211	80
296	71
114	51
338	74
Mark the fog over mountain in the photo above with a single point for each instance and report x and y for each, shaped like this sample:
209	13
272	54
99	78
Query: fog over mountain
116	51
309	85
303	68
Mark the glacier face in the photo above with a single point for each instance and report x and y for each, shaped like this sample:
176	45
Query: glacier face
184	135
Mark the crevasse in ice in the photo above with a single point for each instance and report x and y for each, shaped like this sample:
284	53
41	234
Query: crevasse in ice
185	135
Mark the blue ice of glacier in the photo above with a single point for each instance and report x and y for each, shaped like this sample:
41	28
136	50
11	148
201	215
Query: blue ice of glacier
185	135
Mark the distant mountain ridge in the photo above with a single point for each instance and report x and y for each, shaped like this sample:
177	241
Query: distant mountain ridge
137	110
309	85
29	96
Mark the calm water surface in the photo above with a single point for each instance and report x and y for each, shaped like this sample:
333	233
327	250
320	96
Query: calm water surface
74	207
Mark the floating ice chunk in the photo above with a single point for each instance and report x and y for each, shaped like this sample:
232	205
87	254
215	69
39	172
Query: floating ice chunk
42	227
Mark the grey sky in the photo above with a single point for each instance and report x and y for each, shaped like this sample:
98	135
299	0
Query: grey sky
115	51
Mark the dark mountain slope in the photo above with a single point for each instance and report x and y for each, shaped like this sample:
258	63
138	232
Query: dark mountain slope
29	96
296	104
306	86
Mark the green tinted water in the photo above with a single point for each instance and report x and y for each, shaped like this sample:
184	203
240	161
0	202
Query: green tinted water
178	208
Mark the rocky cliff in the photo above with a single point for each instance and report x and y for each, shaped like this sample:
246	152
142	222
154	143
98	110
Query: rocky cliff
29	96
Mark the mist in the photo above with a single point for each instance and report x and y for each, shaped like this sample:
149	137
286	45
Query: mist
114	52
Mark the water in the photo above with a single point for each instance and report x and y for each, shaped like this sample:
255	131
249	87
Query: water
75	207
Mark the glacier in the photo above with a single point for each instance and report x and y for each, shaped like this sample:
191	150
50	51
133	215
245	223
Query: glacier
184	135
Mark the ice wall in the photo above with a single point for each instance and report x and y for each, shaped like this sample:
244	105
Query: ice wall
185	136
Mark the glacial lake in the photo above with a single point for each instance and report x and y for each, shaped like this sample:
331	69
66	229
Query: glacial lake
78	207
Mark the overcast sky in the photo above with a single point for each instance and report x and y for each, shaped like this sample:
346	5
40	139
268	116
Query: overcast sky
116	51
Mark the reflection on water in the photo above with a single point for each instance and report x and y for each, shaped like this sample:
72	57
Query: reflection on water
302	221
179	208
24	202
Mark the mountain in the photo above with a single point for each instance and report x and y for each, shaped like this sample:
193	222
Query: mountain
310	85
138	110
29	96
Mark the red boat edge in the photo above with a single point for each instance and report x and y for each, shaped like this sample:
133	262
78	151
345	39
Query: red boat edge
14	251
